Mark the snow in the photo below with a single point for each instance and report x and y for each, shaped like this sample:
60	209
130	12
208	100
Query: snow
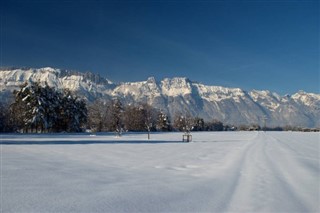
177	86
218	93
217	172
307	99
271	101
137	89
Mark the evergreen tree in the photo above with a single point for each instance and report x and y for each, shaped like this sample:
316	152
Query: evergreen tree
28	105
43	109
18	108
73	114
198	124
5	124
214	125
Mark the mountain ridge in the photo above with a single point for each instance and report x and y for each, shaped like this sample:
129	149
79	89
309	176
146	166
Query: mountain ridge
178	95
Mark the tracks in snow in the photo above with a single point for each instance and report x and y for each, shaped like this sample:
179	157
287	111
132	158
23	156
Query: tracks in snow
266	179
219	172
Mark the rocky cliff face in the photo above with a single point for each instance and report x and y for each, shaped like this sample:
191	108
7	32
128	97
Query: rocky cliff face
177	95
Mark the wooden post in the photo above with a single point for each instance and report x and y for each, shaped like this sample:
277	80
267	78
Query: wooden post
187	137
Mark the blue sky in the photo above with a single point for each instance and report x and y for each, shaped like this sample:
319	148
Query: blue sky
270	45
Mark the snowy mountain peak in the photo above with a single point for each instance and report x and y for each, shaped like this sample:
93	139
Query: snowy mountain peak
264	95
151	80
50	69
180	80
309	99
175	95
176	86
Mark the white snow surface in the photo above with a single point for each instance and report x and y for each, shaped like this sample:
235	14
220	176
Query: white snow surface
217	172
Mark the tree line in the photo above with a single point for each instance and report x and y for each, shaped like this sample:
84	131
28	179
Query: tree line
114	116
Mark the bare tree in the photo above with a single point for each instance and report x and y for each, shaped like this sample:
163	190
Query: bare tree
97	116
149	117
115	116
133	118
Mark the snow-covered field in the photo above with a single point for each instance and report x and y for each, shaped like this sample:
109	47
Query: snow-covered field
217	172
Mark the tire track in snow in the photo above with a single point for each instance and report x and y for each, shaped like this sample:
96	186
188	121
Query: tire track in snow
263	185
299	152
228	182
298	178
217	190
250	193
310	165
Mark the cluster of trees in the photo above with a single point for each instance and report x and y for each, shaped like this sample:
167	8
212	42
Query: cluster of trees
300	129
39	108
188	123
114	116
256	127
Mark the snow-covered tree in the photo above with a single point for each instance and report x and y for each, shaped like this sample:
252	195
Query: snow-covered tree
179	122
43	109
183	122
30	106
163	122
198	124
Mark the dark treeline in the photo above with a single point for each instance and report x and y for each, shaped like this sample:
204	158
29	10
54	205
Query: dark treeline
42	109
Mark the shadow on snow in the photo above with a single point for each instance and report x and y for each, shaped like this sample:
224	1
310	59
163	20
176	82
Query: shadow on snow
61	142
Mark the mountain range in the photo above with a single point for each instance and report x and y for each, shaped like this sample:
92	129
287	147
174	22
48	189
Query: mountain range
179	95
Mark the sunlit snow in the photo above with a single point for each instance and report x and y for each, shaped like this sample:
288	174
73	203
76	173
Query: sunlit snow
217	172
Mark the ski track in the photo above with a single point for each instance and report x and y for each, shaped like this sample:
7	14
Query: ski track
218	172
